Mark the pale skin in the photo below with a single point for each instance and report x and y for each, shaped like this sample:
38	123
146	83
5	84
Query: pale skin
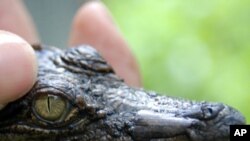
92	25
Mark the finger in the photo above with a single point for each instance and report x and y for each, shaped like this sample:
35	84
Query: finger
15	18
93	25
18	67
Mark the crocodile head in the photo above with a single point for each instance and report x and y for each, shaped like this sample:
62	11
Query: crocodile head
77	97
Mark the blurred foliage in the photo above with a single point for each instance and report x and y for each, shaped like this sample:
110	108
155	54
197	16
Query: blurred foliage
194	49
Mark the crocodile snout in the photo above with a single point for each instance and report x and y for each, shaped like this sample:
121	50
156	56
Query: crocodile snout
209	120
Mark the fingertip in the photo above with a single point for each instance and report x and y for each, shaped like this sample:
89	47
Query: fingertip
93	25
18	67
15	18
90	20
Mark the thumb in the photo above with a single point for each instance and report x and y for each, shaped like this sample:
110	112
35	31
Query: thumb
17	67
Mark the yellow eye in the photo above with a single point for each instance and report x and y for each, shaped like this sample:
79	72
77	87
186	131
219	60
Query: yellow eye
50	107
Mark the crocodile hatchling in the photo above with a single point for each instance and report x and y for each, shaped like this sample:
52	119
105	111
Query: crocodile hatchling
78	97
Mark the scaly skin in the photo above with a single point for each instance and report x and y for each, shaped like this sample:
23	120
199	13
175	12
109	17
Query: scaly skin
77	97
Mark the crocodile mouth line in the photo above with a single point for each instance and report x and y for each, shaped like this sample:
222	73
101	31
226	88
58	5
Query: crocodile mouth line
176	138
27	128
173	138
77	137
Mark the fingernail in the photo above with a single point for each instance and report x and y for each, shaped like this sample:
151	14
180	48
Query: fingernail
7	37
18	67
100	9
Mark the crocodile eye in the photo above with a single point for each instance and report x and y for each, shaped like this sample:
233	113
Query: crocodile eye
50	107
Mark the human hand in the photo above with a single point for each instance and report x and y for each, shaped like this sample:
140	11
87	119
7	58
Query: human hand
92	25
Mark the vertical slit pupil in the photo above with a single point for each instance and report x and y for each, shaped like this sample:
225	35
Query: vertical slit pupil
48	103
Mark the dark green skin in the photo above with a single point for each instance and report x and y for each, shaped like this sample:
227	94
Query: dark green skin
100	106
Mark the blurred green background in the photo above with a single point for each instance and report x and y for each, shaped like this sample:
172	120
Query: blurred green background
194	49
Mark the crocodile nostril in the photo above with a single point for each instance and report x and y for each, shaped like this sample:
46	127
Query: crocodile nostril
203	111
208	113
211	110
